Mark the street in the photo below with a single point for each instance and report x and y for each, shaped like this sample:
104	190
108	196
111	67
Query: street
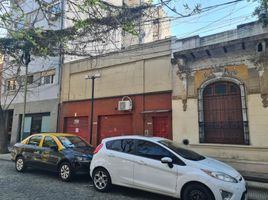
40	185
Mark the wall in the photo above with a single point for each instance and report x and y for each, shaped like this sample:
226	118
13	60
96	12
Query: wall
49	106
155	104
136	70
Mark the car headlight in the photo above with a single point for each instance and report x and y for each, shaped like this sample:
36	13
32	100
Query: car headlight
81	158
221	176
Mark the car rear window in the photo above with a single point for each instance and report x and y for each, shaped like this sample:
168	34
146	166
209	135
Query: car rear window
185	153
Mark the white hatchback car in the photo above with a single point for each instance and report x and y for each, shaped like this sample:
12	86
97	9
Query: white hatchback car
162	166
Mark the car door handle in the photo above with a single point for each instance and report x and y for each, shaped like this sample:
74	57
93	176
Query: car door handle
141	162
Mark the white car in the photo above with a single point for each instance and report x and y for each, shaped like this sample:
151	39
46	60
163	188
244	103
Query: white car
162	166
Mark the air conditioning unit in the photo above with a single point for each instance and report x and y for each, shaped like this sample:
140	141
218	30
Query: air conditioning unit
124	105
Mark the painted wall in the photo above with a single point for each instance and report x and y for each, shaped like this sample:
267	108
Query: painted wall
49	106
145	107
134	71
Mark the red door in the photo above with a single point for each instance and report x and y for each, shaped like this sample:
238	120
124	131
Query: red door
223	121
78	126
114	125
160	127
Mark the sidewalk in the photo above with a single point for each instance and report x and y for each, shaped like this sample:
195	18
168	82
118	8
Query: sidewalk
6	157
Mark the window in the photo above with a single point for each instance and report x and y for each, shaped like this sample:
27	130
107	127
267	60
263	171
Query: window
11	85
126	145
208	91
49	142
185	153
151	150
47	79
35	140
220	89
30	79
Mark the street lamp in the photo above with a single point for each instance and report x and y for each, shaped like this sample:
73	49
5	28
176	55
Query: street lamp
92	77
25	60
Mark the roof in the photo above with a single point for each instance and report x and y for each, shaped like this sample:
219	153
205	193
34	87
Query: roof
149	138
55	134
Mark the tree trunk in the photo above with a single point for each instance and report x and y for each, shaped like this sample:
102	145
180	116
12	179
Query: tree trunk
3	132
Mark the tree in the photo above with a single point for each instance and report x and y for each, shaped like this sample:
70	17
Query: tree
90	21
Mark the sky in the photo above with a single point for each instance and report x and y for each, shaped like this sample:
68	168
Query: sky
216	20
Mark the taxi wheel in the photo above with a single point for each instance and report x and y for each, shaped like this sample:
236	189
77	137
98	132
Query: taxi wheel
197	191
65	171
101	180
20	164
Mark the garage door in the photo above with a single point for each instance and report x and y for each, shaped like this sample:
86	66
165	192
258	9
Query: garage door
114	125
78	126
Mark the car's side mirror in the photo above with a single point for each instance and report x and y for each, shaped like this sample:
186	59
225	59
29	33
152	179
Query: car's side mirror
168	161
54	148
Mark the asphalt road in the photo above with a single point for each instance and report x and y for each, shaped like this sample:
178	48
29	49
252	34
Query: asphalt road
40	185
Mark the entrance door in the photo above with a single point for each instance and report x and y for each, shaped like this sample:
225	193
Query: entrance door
160	127
223	120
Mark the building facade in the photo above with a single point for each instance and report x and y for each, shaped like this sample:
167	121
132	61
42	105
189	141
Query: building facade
140	76
219	100
44	74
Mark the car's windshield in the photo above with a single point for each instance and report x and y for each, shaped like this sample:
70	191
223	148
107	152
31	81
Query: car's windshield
185	153
72	141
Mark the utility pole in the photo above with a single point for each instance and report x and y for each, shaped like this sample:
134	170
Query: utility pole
25	59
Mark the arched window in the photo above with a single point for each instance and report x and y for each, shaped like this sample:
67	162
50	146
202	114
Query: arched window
222	114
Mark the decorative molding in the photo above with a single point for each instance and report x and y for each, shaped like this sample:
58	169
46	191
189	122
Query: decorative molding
183	73
264	100
184	104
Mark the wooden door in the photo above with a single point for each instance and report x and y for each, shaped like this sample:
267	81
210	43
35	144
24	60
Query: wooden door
223	121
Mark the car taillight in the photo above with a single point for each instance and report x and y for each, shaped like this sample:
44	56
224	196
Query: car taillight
98	148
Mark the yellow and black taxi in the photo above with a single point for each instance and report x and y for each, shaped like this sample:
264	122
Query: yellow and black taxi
66	154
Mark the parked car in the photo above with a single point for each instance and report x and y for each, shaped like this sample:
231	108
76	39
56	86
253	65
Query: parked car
162	166
66	154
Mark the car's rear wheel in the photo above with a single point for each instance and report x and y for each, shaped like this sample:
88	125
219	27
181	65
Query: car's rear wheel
101	180
197	191
65	171
20	164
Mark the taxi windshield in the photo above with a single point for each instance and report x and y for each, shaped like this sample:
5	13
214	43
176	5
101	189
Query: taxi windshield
72	141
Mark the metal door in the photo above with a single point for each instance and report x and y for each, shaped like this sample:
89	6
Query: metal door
78	126
223	121
114	125
160	127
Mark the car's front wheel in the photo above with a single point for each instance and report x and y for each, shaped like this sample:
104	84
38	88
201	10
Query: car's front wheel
101	180
20	164
65	171
197	191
